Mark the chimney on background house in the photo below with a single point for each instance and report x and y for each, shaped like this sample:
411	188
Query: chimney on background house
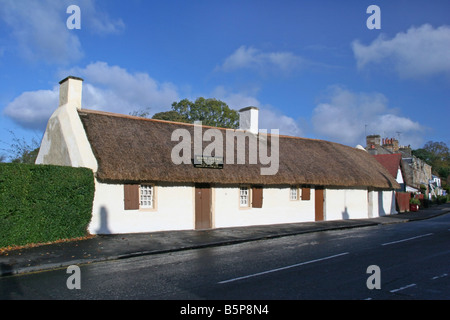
248	119
70	91
373	141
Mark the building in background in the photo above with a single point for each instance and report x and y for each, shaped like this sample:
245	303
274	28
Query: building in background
416	172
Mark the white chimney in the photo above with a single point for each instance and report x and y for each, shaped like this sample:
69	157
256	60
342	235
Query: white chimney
70	91
248	119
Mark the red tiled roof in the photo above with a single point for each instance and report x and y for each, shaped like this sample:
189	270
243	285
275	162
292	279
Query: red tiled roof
390	161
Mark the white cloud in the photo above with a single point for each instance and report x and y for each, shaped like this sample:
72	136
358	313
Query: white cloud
421	51
32	109
98	21
113	88
39	31
269	117
107	88
272	118
344	116
251	58
236	100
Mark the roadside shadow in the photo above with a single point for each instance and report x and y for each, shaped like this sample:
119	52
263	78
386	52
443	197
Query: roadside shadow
104	229
345	214
9	287
381	211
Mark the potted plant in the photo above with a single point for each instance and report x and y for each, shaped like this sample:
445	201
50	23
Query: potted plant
414	204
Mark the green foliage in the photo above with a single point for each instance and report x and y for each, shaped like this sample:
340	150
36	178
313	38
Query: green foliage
170	116
42	203
442	199
143	113
414	201
210	112
437	155
20	150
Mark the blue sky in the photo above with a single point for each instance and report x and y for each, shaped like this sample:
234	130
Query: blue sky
313	68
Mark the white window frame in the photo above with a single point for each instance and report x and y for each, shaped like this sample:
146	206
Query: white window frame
147	191
244	197
291	193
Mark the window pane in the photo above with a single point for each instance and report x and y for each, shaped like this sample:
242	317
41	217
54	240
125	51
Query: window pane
244	197
146	196
294	194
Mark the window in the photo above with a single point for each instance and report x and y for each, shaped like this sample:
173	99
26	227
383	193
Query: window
244	196
293	194
139	197
146	196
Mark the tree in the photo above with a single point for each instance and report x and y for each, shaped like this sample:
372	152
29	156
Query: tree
439	150
170	116
143	113
423	154
437	155
22	151
211	112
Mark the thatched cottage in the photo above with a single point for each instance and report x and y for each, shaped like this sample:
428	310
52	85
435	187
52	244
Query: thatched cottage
150	177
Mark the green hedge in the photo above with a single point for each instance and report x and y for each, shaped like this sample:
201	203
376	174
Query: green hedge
42	203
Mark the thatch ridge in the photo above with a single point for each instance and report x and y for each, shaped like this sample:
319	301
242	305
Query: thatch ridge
135	149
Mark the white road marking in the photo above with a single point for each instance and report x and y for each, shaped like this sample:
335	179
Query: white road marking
282	268
423	235
402	288
441	276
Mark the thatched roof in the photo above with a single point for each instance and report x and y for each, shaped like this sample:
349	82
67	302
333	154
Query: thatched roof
132	149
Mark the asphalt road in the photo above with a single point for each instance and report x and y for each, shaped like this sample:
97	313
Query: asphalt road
412	259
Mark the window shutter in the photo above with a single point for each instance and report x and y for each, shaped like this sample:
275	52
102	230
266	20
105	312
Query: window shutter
306	193
131	196
257	197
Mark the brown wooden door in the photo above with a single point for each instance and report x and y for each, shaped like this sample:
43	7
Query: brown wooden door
319	204
202	207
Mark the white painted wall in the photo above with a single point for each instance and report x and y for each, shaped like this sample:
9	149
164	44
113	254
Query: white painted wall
277	208
380	203
174	210
372	198
345	204
399	178
178	212
248	119
386	203
65	142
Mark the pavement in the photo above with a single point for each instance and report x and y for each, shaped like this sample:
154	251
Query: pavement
122	246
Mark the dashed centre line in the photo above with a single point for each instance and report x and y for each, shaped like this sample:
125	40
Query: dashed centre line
403	240
440	276
402	288
282	268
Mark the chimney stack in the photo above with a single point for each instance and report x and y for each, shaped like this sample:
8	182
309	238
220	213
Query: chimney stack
373	140
70	91
248	119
